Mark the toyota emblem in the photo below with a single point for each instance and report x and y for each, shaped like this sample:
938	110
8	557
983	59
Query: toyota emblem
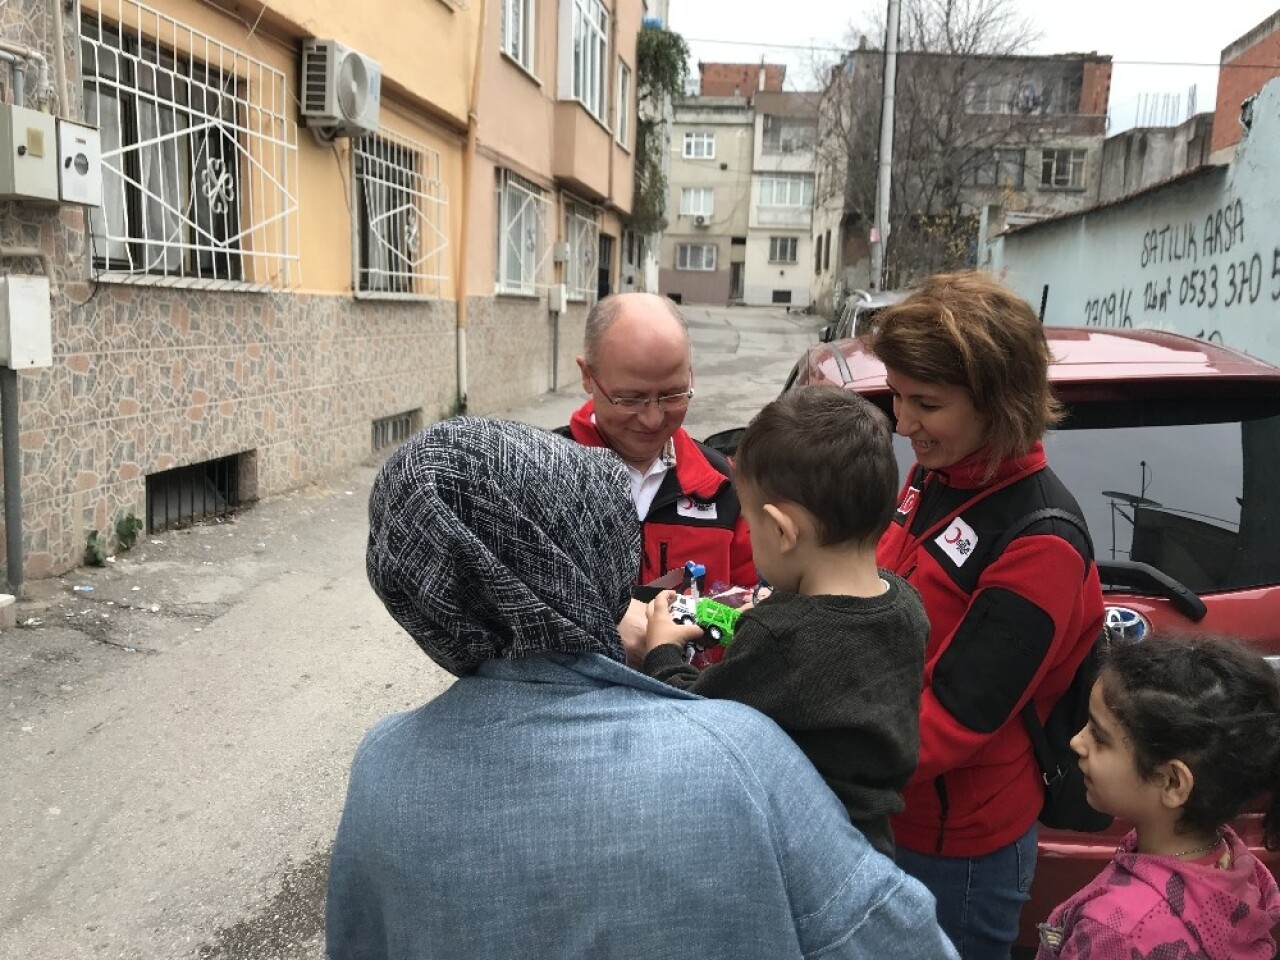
1126	625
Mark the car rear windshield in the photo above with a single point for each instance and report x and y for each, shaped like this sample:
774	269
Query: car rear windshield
1187	486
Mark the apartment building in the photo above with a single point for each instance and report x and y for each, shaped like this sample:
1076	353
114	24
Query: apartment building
996	139
288	274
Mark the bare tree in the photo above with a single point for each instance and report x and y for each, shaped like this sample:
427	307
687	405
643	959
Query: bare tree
962	94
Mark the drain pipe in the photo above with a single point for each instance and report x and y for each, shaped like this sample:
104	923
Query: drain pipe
43	86
464	225
60	60
10	452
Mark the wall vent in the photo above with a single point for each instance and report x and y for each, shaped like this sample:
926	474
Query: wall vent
200	491
390	432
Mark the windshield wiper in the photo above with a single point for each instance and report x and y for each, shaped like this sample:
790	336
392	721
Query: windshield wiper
1147	579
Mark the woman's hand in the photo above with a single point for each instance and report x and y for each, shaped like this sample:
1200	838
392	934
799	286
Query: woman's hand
662	629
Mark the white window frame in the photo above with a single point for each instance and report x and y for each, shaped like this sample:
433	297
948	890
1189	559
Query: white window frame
784	249
517	33
582	233
622	119
703	262
699	146
400	219
1062	168
591	56
521	220
199	157
697	201
786	191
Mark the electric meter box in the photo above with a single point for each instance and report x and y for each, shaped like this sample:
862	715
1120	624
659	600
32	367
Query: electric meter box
26	323
28	155
79	164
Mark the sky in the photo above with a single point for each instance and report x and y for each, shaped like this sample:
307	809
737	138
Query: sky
1159	49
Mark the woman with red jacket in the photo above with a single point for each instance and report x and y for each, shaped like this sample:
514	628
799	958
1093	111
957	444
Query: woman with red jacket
967	362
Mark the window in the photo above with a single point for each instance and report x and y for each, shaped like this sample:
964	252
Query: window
794	191
989	97
582	230
787	135
700	146
622	122
695	256
696	201
817	257
518	19
199	164
1062	169
590	55
783	249
522	245
401	217
995	168
826	256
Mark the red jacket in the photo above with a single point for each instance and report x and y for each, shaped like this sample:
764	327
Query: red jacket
694	516
1003	630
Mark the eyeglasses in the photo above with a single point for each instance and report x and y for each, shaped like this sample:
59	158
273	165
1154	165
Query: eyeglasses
675	402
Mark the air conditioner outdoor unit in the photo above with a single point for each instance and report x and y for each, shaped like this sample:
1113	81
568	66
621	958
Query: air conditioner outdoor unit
341	89
699	221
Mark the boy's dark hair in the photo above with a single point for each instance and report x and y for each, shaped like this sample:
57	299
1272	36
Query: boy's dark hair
827	450
1212	703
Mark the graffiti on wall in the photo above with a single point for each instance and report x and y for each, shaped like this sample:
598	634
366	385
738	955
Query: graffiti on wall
1207	267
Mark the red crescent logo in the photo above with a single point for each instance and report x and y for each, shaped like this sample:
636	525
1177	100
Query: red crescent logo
954	536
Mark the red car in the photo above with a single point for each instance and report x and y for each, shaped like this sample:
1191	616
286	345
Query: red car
1172	447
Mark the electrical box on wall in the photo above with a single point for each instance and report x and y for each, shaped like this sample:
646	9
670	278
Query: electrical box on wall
26	323
79	164
28	155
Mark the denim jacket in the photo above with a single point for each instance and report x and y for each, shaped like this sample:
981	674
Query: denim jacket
567	806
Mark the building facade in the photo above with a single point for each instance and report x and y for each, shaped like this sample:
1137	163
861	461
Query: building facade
257	302
1137	158
1246	65
975	139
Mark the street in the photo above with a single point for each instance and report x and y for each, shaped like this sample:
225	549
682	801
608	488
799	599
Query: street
179	723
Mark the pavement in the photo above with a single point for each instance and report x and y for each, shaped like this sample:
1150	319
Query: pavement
177	725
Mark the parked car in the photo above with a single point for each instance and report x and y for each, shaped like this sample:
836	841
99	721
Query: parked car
858	309
1172	446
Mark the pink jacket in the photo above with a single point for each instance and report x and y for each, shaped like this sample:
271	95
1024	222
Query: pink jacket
1142	905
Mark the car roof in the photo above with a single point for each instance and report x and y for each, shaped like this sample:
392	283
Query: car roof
1088	356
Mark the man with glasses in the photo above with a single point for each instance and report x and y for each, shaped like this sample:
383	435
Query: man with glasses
637	366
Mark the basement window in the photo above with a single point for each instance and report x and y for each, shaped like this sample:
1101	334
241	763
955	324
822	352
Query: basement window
192	494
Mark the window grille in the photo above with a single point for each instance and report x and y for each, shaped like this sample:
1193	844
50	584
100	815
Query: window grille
582	229
392	431
522	235
199	156
402	217
186	495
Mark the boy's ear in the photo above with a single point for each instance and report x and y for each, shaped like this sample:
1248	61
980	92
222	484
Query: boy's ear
785	518
1177	784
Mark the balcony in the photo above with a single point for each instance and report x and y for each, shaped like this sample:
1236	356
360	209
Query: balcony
792	218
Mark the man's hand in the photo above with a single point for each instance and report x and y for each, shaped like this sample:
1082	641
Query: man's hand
662	629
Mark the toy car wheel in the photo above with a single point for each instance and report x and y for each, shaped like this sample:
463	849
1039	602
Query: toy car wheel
686	620
715	633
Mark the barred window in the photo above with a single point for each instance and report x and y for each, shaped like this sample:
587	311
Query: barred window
401	220
696	256
783	249
199	156
582	229
522	234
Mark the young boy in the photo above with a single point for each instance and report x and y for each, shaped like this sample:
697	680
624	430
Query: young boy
835	656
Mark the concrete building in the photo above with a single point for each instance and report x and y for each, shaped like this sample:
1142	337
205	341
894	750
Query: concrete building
779	248
704	248
1139	157
976	139
1198	254
255	303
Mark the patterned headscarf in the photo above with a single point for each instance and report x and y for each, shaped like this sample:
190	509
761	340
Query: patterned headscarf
490	539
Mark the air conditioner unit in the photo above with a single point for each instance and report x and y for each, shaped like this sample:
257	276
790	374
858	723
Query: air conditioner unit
341	89
699	221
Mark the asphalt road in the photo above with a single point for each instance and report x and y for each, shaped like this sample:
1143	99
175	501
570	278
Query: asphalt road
175	740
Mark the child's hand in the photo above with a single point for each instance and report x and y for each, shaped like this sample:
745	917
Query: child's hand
662	629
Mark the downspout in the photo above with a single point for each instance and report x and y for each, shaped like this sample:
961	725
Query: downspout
464	226
60	60
43	86
10	452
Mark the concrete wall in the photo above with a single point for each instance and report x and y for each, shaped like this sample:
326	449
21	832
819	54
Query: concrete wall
1200	255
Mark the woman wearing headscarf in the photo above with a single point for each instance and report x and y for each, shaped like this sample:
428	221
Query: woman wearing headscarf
554	802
